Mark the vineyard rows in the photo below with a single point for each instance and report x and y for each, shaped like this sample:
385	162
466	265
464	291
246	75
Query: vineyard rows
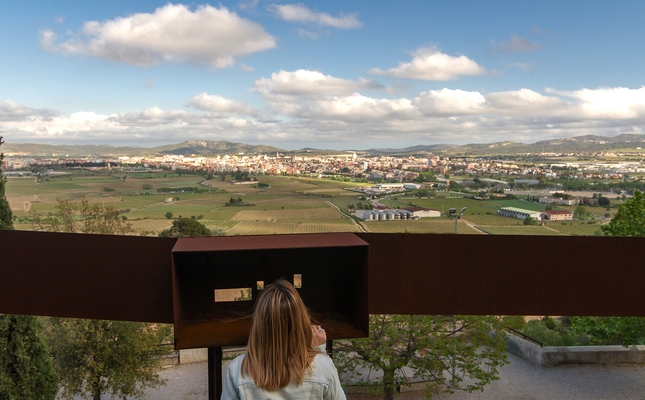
270	228
274	215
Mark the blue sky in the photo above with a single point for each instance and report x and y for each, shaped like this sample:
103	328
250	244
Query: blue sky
326	74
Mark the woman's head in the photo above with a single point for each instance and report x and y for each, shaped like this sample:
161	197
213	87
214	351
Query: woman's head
280	345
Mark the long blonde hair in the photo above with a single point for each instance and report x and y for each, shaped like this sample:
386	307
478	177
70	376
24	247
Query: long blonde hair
280	347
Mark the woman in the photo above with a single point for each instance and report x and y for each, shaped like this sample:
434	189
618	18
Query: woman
282	360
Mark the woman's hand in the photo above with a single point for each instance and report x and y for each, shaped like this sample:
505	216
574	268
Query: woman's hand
319	335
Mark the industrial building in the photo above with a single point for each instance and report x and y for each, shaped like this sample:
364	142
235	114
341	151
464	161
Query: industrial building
557	215
519	213
400	214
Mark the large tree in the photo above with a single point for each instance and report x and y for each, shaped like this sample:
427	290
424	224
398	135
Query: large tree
186	227
101	357
6	217
82	217
629	219
26	370
448	352
98	356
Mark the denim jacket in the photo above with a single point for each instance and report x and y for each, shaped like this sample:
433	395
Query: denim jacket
320	383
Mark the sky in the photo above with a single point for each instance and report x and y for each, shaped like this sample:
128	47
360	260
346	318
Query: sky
320	74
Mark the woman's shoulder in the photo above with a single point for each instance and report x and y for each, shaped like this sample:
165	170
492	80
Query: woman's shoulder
236	363
323	365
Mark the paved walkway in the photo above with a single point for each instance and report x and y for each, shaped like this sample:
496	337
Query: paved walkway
518	380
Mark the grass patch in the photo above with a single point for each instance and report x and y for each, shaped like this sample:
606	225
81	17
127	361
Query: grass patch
419	226
519	230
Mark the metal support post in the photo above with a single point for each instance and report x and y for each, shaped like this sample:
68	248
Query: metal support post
214	373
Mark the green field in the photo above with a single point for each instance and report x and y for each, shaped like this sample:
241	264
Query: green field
287	205
519	230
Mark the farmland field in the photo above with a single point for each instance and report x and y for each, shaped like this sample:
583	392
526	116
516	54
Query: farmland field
314	213
425	225
519	230
281	205
269	228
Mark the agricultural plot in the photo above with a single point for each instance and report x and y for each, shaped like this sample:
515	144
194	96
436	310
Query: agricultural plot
288	205
419	226
280	228
492	220
278	203
519	230
583	228
326	228
275	215
261	228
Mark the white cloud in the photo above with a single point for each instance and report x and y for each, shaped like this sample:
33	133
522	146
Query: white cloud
173	33
526	102
355	107
516	44
251	4
333	113
450	102
608	103
526	67
300	13
430	64
12	111
306	82
306	34
246	68
218	104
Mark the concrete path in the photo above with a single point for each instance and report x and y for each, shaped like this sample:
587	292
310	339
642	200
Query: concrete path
518	380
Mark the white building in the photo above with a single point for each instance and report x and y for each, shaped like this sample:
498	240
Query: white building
519	213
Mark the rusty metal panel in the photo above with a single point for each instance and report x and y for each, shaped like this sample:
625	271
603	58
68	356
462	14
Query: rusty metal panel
332	268
86	276
505	275
130	278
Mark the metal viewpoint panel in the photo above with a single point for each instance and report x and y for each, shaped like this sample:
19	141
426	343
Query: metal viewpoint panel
217	280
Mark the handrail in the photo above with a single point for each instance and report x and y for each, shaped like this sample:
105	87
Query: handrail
525	337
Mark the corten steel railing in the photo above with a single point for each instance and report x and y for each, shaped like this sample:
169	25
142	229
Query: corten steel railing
131	278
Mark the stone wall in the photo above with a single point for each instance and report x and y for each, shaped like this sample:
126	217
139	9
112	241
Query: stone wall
561	355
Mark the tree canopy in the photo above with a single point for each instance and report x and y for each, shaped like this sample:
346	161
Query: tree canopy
186	227
629	219
82	217
26	370
6	217
432	348
102	357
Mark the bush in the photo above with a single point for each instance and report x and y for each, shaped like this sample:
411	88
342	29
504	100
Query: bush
517	322
554	332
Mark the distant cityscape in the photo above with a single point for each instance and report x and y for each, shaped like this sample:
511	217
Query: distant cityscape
351	166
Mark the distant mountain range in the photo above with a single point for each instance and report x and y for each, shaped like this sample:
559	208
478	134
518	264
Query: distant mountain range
190	147
578	144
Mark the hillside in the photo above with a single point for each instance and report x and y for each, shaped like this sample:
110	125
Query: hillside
578	144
